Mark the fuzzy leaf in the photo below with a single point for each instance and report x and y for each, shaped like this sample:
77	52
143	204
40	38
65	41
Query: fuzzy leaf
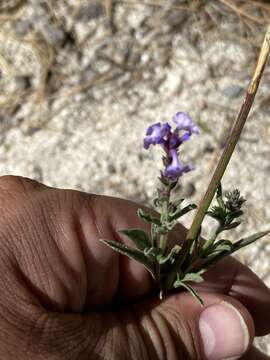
182	212
219	197
153	251
248	240
222	245
154	234
234	214
171	256
217	213
212	259
231	225
195	277
131	253
179	283
148	218
138	236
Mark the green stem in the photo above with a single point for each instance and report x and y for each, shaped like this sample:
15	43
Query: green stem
233	138
212	239
164	218
226	155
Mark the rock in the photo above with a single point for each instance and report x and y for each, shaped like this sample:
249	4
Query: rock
189	190
23	82
208	148
111	168
38	173
56	36
22	27
176	18
232	91
90	11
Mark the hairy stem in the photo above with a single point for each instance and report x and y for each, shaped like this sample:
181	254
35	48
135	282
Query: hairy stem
164	218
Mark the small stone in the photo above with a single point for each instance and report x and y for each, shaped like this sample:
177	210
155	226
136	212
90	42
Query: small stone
232	91
87	75
90	11
56	36
177	18
208	148
38	173
22	27
111	168
141	157
23	82
189	190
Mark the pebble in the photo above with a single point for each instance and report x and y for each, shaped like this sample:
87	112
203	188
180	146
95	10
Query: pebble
232	91
189	189
23	82
22	27
56	36
90	11
208	148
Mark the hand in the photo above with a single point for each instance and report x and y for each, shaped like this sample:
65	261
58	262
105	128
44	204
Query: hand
59	284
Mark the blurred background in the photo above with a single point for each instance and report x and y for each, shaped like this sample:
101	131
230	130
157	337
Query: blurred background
80	81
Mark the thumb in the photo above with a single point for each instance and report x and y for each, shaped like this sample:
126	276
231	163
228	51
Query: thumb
180	328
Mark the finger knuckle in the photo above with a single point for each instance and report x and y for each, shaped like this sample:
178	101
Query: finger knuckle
16	183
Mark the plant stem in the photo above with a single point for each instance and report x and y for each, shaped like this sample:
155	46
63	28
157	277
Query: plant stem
164	218
212	239
233	137
226	155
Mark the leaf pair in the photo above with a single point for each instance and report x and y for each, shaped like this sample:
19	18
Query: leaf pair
189	277
223	248
142	242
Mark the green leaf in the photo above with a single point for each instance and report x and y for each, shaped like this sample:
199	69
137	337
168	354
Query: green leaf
153	251
154	234
138	236
217	213
212	259
182	212
196	277
148	218
219	197
234	214
248	240
179	283
221	245
230	226
131	253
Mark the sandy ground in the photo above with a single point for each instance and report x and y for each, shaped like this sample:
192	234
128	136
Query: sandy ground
75	102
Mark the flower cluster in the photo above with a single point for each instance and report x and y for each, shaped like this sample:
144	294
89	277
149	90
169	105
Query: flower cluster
170	140
234	200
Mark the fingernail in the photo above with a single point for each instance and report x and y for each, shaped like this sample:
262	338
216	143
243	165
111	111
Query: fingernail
223	331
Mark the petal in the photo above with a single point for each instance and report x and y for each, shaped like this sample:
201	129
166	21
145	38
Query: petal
176	169
184	122
156	133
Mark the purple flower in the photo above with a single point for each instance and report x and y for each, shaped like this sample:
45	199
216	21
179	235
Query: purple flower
175	140
170	140
184	122
176	169
156	133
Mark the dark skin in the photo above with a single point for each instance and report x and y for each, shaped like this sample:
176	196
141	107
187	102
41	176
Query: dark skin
59	283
